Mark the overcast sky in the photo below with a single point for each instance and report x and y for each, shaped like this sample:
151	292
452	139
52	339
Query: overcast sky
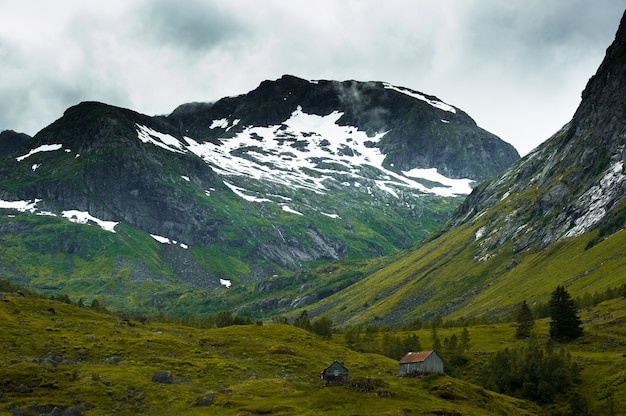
517	67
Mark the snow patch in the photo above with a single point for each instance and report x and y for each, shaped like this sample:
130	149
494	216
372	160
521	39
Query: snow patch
83	217
222	123
383	185
165	240
450	186
307	151
291	150
435	103
239	192
42	148
21	206
162	140
290	210
160	239
47	213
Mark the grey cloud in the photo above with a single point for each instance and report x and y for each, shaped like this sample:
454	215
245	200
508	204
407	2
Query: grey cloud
539	30
511	65
29	107
193	26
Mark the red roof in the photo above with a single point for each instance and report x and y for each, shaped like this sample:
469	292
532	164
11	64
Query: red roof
415	357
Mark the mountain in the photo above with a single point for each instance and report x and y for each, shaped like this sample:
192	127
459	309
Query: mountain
140	210
10	141
411	130
556	217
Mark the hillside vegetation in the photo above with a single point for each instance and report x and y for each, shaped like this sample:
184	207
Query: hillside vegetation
57	355
444	277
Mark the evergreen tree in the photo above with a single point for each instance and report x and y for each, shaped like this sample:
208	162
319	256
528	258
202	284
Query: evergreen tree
323	327
451	346
525	321
223	319
465	341
95	305
352	336
435	337
391	347
411	343
303	321
565	324
396	347
532	372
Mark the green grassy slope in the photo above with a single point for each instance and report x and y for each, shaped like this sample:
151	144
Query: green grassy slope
58	355
130	270
445	276
55	256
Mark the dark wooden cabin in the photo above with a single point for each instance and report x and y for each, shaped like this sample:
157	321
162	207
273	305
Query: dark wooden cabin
336	373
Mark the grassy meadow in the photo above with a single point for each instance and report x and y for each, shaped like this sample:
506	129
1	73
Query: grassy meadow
60	355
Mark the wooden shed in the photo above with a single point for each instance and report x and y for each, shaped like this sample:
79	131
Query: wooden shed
336	373
422	362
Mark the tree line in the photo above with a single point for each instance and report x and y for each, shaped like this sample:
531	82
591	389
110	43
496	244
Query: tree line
322	326
537	372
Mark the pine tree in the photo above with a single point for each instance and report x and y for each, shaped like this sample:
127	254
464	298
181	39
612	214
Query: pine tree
323	327
435	337
353	336
565	324
410	343
303	321
525	321
465	341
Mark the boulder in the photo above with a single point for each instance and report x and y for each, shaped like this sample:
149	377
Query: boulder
163	377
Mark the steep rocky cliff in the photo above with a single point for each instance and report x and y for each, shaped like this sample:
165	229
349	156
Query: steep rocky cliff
572	183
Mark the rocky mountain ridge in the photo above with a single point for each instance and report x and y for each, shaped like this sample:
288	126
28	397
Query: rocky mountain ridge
420	130
573	181
10	141
292	173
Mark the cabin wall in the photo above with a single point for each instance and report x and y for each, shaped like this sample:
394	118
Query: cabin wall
432	364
